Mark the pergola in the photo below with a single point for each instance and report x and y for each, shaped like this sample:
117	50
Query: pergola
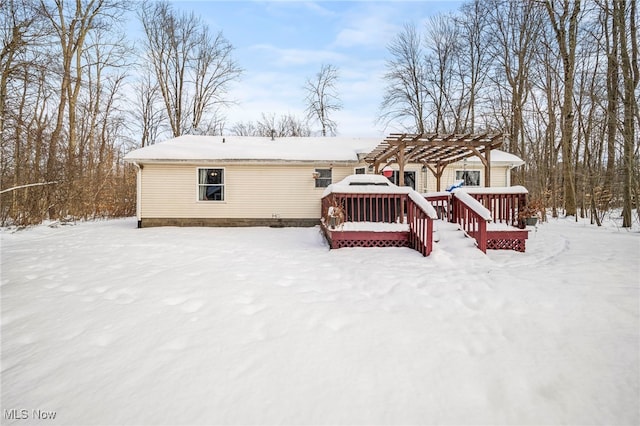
434	151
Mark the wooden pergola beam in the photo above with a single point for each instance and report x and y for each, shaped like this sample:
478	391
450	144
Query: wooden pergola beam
434	150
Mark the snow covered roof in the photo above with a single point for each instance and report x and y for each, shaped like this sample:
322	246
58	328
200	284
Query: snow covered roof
194	148
249	148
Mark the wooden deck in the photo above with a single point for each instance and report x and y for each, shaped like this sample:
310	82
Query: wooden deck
491	218
505	232
394	206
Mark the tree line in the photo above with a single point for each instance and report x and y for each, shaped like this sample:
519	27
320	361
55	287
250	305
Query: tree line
560	77
76	95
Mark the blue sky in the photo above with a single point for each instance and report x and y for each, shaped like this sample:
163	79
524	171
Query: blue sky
282	44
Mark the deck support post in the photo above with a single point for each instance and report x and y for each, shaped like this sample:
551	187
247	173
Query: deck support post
487	167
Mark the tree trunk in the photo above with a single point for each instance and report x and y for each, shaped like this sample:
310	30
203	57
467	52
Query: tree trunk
567	46
630	78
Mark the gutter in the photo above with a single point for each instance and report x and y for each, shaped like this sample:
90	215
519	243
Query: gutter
241	162
139	168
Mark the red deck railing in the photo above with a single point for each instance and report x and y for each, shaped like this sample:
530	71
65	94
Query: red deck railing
441	202
505	204
504	207
366	207
420	227
387	208
470	220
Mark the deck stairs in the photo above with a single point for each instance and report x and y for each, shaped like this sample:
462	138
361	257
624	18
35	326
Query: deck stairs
449	241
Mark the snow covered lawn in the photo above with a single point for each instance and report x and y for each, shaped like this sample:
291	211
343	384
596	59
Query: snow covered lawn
103	323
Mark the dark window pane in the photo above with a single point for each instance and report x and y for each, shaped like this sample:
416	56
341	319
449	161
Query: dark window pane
211	184
324	178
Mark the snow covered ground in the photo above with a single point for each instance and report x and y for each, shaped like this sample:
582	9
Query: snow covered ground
106	324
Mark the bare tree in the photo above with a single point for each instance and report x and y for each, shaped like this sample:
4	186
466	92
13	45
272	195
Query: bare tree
243	128
475	57
405	94
625	18
147	111
517	29
286	125
442	44
71	24
565	26
65	74
322	98
214	69
192	68
611	32
17	18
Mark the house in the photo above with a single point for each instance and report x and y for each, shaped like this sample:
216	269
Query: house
255	181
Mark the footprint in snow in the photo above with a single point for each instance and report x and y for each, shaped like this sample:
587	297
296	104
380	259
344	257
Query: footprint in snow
122	297
176	344
245	299
337	324
26	339
68	288
101	340
192	306
253	309
175	300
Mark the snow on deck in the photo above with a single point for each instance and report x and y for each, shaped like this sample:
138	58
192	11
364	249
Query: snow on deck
473	204
377	184
517	189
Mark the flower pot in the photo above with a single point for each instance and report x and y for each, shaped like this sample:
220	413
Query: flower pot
531	221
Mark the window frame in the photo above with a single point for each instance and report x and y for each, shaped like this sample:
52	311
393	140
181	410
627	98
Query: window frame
395	177
363	168
221	185
323	179
462	172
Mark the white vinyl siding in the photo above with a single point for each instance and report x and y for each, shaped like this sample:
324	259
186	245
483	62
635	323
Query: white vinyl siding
498	176
257	190
251	191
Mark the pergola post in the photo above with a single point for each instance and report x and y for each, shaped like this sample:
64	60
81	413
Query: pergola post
400	158
437	172
487	167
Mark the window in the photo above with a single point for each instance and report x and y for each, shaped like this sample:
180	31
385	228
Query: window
470	177
324	178
409	178
211	184
360	171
